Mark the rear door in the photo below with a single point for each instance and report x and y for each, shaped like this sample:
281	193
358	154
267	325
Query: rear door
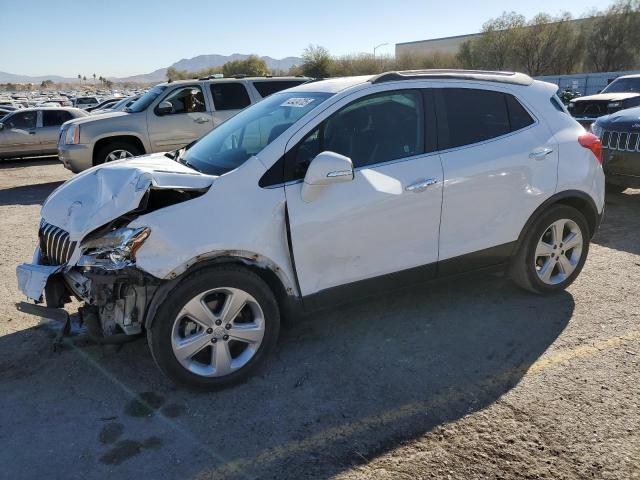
228	99
18	135
189	119
500	163
49	129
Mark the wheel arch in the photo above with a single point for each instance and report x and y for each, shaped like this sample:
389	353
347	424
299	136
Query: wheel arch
572	198
286	296
132	139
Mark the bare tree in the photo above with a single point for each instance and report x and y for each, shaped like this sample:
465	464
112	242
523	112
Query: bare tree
611	38
545	44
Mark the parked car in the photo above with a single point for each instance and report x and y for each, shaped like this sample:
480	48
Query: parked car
620	135
118	106
34	131
104	104
622	93
85	102
168	116
323	193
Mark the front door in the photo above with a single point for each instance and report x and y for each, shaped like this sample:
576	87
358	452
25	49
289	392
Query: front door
383	225
18	136
188	120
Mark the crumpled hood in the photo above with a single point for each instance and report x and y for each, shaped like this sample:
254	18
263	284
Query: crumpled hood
104	193
606	97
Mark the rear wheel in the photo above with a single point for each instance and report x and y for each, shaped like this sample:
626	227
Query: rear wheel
552	252
118	150
215	328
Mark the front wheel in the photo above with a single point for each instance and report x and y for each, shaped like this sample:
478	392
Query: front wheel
215	327
552	252
117	150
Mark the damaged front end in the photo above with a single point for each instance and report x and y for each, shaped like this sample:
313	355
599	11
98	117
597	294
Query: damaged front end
97	264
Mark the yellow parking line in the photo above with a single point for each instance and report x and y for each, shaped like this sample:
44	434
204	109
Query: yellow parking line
413	408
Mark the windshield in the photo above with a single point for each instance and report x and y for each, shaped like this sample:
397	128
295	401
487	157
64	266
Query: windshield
623	85
239	138
145	100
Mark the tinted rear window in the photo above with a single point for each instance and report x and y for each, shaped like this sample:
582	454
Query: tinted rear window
230	96
267	87
474	116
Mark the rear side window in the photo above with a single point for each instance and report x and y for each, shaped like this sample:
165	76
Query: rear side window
230	96
557	104
267	87
54	118
472	116
519	118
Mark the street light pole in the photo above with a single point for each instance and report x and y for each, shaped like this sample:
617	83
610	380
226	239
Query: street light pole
377	47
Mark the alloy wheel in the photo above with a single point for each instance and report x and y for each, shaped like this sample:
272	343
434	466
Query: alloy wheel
218	332
118	155
558	251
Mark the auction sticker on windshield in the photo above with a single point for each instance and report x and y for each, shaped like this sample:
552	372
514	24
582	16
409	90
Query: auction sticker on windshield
297	102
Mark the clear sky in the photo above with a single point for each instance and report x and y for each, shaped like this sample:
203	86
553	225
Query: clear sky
126	37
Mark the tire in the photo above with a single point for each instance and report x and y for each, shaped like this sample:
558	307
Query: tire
539	267
614	188
214	288
116	146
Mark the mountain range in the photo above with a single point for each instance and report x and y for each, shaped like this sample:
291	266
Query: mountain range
190	64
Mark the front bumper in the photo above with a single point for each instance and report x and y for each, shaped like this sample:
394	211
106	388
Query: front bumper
33	278
76	157
622	168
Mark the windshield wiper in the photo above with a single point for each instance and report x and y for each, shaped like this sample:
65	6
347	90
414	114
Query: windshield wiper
178	157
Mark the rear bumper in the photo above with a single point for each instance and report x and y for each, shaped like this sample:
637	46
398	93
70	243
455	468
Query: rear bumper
76	157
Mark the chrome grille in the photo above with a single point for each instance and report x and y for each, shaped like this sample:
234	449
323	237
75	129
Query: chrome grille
621	141
55	246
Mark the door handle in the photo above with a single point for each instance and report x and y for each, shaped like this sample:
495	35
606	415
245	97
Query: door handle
201	120
540	153
421	186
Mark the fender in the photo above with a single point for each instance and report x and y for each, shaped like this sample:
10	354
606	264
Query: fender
279	283
575	198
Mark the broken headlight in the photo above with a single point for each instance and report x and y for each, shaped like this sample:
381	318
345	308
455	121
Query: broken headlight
114	250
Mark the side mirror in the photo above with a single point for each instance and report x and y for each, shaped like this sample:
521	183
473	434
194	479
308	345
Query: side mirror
164	108
325	169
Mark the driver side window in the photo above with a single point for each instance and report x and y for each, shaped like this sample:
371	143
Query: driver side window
22	120
371	130
186	100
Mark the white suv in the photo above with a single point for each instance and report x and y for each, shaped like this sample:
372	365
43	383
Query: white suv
329	191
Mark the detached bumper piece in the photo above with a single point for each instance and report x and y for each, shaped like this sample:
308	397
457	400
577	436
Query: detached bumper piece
81	326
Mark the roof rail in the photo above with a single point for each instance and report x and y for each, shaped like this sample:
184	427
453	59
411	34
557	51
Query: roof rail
438	74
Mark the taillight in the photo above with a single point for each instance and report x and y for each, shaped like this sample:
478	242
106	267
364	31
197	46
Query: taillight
593	143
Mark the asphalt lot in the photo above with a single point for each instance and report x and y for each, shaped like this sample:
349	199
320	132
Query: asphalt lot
468	378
